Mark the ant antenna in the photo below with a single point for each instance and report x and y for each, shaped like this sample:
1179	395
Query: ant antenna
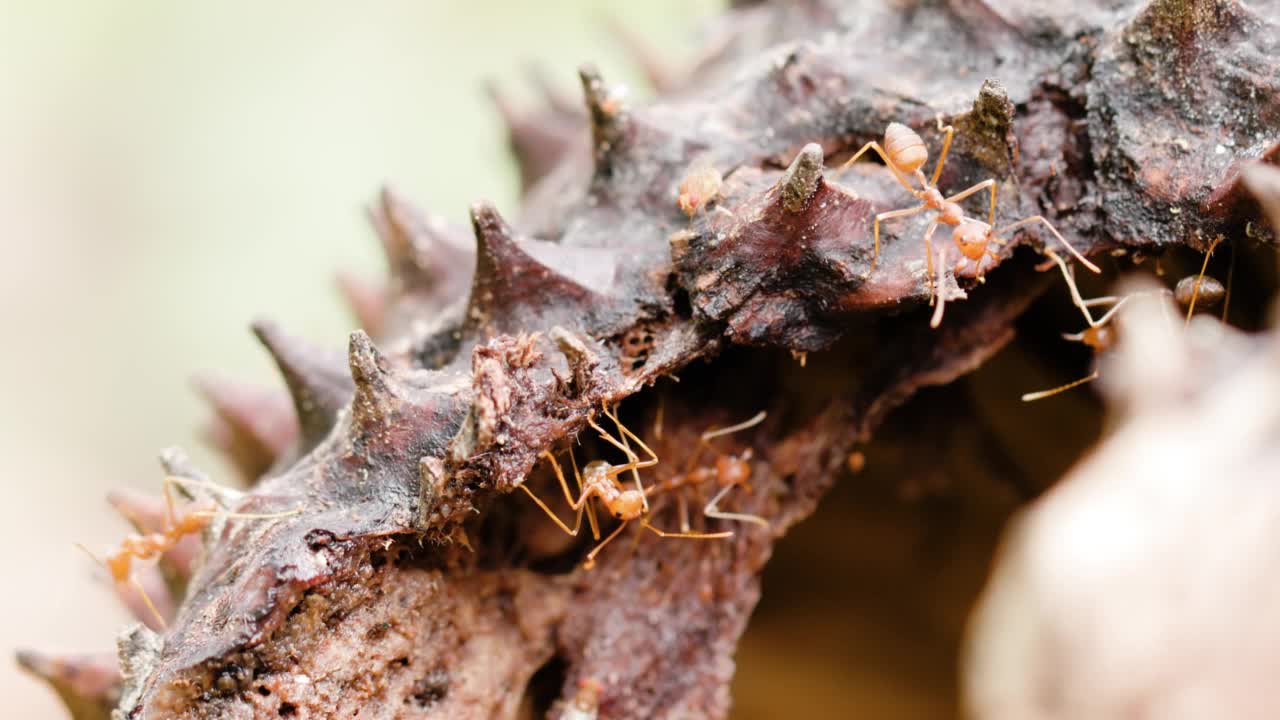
744	425
1195	289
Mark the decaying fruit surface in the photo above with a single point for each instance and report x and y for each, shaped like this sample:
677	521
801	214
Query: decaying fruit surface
413	584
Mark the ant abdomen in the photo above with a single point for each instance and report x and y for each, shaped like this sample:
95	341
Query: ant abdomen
905	148
1205	291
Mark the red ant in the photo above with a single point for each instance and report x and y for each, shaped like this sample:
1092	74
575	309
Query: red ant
1100	336
586	702
150	546
904	153
700	186
599	480
728	471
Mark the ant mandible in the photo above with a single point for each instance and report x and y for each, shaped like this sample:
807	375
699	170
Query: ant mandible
599	479
143	547
728	471
904	153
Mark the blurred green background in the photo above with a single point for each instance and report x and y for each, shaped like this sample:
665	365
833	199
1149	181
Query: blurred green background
170	170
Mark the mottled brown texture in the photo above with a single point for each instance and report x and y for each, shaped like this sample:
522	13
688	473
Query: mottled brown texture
604	287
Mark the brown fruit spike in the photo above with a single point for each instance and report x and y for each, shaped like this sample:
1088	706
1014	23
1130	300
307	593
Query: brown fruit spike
367	301
426	255
799	184
511	288
1264	182
89	684
645	57
375	396
317	380
609	121
539	141
253	427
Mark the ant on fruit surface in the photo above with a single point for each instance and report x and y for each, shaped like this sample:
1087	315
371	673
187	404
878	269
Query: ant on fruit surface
143	547
599	480
727	471
1100	336
904	154
586	701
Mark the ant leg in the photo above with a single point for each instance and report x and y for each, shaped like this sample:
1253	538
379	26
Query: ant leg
683	504
633	460
171	480
873	145
1052	229
753	421
939	290
946	147
711	433
564	485
1079	302
1032	397
688	535
1119	303
623	432
590	562
146	599
875	258
991	214
653	457
246	516
712	510
928	256
170	519
1195	290
591	509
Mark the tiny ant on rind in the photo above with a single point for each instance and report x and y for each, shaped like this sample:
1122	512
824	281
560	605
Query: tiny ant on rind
586	701
144	547
599	480
904	154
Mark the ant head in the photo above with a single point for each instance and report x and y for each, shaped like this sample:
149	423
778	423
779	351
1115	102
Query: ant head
904	147
1101	337
629	505
689	202
972	239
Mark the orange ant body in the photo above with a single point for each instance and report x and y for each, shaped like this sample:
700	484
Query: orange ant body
727	472
144	547
586	702
904	154
700	186
599	480
1100	336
